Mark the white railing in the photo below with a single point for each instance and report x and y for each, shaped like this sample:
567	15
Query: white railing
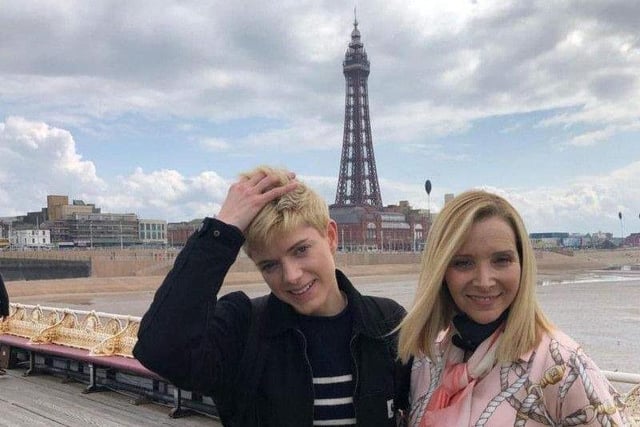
622	377
103	334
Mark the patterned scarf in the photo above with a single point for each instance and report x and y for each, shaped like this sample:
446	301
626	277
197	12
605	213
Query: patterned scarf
450	404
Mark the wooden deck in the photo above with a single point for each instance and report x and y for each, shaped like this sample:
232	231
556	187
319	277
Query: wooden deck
47	400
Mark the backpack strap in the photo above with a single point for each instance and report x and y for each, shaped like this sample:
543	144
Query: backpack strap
251	364
392	314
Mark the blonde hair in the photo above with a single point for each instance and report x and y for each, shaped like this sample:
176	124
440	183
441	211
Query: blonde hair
302	206
433	308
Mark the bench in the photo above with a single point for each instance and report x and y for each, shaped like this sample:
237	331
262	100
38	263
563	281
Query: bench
100	342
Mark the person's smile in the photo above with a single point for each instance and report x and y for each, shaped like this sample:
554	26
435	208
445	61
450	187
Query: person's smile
303	289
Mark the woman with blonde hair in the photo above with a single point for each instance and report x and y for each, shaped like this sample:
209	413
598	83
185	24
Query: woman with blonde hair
484	352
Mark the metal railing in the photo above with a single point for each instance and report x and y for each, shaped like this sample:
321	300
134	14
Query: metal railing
100	333
622	377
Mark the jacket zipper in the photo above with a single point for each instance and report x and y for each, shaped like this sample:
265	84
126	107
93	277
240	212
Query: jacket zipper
357	377
309	370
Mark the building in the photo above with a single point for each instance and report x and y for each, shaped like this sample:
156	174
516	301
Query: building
96	230
152	232
363	223
632	240
30	239
81	224
602	239
179	232
547	240
6	225
58	207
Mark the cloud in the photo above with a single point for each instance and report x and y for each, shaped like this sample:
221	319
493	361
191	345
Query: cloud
211	67
589	203
166	194
212	59
298	135
37	159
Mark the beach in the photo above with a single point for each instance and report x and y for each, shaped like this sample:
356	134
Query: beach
593	296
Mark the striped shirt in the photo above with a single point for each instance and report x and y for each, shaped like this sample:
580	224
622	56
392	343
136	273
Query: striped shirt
328	350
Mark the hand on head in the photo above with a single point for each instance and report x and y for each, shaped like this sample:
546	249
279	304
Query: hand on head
247	196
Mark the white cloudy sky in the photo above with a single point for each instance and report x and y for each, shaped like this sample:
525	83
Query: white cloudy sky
155	106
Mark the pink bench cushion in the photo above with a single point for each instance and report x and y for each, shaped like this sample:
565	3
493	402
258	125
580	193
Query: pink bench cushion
126	364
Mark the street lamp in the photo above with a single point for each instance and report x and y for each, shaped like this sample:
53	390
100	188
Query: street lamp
621	229
427	187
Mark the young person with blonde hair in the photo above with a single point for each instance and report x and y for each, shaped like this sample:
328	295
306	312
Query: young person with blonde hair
484	352
312	352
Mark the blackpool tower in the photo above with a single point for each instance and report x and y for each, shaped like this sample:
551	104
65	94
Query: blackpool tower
358	179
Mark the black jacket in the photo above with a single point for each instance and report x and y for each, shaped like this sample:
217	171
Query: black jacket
198	342
4	299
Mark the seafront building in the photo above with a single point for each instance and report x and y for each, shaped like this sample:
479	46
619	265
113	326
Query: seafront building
632	240
31	239
152	232
179	232
81	225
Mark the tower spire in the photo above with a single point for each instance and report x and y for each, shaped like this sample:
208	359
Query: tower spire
358	179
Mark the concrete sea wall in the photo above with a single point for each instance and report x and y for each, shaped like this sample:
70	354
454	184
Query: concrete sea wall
41	269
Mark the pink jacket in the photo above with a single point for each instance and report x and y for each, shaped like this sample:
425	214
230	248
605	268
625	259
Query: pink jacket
554	384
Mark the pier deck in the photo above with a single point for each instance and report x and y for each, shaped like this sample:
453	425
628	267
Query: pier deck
47	400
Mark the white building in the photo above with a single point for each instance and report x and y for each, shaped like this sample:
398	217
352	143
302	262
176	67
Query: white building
152	232
33	239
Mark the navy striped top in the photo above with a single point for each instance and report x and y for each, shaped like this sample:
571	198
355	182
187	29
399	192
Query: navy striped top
328	350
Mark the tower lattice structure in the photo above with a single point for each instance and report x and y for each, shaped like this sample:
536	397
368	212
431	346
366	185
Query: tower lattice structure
358	179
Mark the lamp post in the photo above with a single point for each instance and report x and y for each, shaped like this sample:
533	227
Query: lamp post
427	187
415	232
621	229
350	241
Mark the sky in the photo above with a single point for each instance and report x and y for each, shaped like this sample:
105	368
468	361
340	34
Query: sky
156	106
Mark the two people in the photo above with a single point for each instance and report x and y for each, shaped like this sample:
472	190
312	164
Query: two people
317	352
313	352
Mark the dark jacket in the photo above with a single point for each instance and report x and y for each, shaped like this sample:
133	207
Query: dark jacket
4	299
197	342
